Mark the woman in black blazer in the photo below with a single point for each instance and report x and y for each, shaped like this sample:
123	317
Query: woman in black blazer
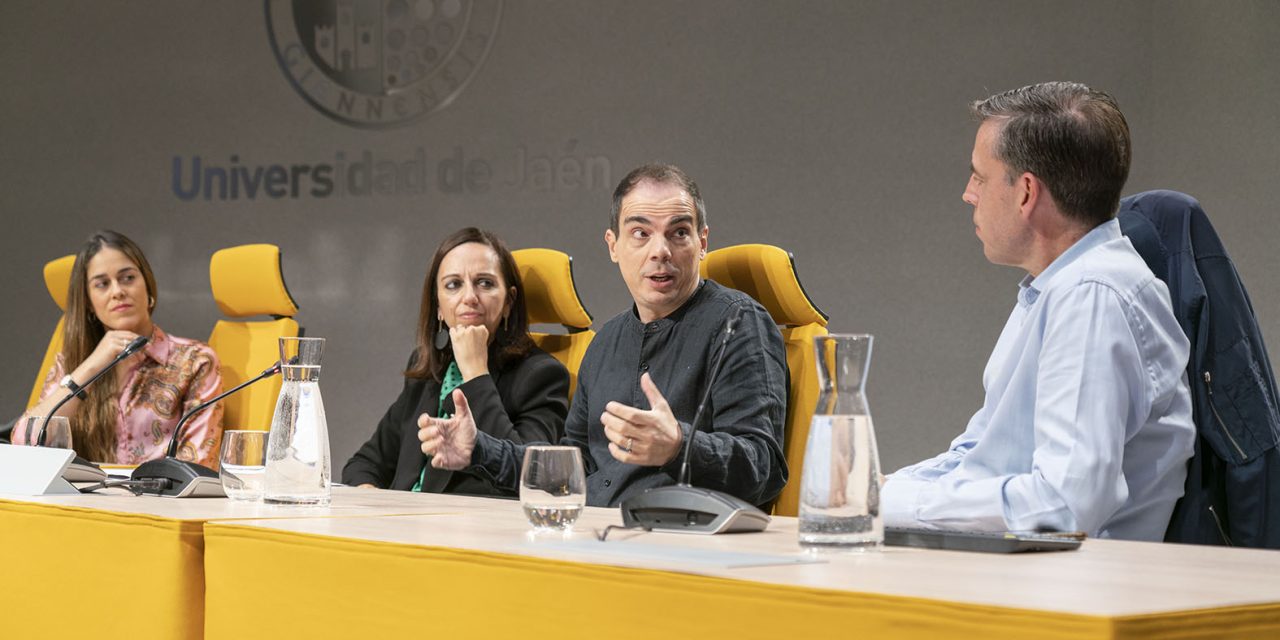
473	335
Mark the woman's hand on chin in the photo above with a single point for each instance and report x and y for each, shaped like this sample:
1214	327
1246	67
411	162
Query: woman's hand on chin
108	348
470	350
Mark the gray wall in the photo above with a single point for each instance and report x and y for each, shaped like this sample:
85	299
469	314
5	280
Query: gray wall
835	130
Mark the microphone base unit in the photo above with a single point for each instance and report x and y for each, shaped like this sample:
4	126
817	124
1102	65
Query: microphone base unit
185	479
686	509
81	470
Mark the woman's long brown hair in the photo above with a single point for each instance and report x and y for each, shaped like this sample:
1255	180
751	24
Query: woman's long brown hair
512	342
93	427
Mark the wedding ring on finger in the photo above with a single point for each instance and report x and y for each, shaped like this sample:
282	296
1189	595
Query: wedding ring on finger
630	441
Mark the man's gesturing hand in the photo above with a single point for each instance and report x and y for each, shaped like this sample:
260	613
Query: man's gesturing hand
450	441
649	438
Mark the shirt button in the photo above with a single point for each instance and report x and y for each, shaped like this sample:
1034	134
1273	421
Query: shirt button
608	482
644	366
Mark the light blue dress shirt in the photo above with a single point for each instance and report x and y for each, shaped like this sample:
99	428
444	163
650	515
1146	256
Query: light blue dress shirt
1086	424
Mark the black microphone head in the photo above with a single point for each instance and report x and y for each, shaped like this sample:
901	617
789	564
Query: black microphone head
732	322
133	347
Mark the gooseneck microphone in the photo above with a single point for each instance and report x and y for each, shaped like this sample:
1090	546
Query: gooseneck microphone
683	507
687	449
183	478
177	431
129	349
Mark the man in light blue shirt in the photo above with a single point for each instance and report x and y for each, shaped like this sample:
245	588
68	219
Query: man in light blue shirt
1086	424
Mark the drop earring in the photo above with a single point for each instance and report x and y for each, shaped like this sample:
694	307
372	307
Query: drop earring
442	336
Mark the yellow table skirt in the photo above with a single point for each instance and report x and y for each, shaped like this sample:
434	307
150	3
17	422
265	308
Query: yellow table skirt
73	572
314	586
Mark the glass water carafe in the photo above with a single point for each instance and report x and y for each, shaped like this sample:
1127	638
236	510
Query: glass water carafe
840	485
298	468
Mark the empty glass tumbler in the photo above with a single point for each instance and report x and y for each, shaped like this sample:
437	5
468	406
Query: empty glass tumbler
298	466
840	485
57	433
242	464
553	487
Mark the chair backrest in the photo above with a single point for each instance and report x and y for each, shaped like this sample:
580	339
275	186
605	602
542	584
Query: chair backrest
768	274
551	297
248	281
57	278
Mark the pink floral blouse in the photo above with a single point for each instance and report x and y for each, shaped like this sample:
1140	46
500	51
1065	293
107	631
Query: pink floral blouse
175	376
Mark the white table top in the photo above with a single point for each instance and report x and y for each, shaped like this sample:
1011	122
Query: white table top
1102	578
347	502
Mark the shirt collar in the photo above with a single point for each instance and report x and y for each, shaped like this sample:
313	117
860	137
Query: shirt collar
158	348
674	316
1030	288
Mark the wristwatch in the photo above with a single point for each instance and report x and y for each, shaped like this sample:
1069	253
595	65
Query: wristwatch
72	386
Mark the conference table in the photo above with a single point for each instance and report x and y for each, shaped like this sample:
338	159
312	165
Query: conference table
125	566
393	564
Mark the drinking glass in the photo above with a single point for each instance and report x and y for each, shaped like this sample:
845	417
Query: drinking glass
57	433
243	464
553	487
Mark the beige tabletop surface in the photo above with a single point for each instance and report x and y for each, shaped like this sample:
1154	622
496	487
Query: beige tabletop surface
346	502
1102	578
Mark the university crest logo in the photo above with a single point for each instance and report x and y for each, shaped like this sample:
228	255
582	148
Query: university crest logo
381	63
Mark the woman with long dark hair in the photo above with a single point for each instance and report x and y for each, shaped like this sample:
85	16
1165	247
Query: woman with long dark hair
127	416
473	335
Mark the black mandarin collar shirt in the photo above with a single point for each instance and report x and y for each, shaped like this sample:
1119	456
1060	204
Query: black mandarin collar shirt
738	448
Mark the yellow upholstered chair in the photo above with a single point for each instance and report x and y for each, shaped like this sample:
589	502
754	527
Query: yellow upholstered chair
768	274
57	278
247	281
552	298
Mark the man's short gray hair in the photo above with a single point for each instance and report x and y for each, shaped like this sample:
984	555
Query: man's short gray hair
1071	137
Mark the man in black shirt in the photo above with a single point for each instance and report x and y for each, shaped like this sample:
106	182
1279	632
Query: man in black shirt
643	375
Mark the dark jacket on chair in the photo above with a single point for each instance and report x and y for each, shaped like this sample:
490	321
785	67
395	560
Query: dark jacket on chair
1233	482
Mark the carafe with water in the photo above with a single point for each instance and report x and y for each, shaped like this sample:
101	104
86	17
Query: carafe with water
840	481
298	467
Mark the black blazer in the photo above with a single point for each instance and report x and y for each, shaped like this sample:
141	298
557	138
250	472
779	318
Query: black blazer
526	402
